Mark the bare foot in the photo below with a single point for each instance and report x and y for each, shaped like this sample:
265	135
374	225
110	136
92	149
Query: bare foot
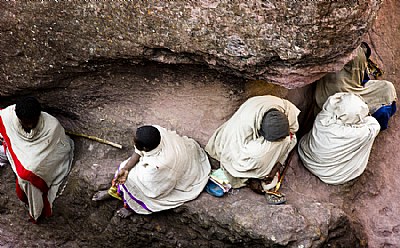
124	213
101	195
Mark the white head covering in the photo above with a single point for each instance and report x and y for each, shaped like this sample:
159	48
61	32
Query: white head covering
345	108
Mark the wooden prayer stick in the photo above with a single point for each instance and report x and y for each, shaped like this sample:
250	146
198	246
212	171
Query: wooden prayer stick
95	139
289	159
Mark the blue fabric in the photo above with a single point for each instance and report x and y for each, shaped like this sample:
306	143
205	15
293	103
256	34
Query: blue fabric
366	78
214	189
383	114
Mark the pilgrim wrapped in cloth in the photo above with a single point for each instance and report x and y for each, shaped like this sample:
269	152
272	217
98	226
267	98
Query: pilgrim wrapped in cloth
380	95
39	151
339	144
256	140
165	171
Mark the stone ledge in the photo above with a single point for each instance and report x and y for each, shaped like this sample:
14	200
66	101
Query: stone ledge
239	218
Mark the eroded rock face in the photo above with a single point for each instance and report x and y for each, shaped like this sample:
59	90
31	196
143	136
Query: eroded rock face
290	43
380	185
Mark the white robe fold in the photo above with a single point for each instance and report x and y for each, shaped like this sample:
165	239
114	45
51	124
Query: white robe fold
41	159
240	148
338	146
171	174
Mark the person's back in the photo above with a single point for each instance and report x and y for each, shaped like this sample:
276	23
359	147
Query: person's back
338	146
243	150
181	172
165	171
39	152
346	80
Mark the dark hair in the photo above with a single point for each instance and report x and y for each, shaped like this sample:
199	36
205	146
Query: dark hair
28	108
368	52
147	138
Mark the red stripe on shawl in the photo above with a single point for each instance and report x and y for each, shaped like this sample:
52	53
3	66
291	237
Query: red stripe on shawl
20	193
26	175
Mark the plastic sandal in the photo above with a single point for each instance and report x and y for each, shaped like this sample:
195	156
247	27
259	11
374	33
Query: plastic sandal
274	199
112	191
214	189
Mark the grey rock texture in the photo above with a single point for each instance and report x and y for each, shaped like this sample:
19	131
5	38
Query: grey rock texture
106	81
290	43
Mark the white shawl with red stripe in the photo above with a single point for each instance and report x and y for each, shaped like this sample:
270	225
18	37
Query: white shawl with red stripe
41	159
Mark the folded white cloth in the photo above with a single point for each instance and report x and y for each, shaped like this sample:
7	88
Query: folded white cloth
338	146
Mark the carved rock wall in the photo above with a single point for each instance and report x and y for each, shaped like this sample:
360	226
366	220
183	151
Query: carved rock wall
290	43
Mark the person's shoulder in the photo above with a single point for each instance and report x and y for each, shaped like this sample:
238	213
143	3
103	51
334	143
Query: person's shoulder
49	119
8	111
264	97
262	100
48	116
159	128
8	108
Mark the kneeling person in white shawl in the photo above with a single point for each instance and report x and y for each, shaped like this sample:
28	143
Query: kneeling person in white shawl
39	152
337	148
165	171
256	138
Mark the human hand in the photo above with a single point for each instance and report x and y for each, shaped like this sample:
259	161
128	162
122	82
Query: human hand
122	176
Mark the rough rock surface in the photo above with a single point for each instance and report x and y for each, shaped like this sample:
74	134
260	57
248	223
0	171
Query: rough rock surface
378	191
290	43
371	199
194	101
109	97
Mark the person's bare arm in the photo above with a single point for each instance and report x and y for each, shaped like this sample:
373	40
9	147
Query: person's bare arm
123	173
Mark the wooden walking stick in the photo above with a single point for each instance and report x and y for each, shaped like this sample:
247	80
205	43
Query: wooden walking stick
278	185
95	139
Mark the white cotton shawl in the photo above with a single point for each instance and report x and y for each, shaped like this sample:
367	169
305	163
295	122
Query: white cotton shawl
171	174
338	146
239	146
46	151
375	92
